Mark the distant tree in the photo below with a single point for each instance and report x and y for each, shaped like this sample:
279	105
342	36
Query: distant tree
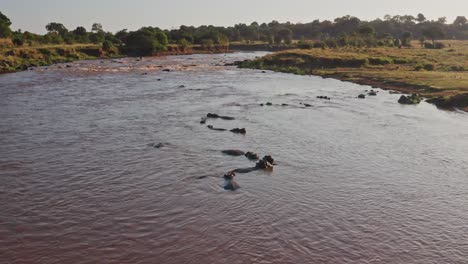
406	38
285	35
421	18
442	20
18	40
433	32
97	27
80	31
460	21
146	41
5	24
58	28
366	31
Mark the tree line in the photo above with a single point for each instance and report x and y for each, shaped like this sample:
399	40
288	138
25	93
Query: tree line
343	31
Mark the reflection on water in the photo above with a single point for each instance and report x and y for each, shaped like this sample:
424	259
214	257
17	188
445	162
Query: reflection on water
357	181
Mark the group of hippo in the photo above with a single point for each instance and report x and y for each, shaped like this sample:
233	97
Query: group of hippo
266	163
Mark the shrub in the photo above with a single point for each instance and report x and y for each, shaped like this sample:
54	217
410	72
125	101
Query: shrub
305	45
380	61
429	67
17	41
319	45
418	67
457	68
107	46
439	45
428	45
401	61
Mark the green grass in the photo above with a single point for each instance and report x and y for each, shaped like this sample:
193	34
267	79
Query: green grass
432	73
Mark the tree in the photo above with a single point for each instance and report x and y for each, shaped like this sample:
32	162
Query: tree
460	21
433	32
58	28
96	27
406	38
366	31
285	34
80	31
146	41
5	24
421	18
442	20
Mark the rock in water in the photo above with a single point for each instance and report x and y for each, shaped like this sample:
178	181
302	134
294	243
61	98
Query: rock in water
372	93
413	99
362	96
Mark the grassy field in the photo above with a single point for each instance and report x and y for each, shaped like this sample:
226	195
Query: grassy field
21	58
440	74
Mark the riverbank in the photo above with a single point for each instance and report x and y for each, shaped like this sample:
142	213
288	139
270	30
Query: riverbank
439	75
13	59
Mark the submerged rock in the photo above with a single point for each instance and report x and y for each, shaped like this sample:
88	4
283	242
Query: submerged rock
372	93
413	99
233	152
307	105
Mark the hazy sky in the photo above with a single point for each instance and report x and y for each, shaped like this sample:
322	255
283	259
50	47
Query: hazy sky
33	15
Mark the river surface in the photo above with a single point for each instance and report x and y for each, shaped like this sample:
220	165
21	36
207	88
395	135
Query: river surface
356	181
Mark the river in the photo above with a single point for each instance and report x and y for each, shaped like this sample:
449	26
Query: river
356	180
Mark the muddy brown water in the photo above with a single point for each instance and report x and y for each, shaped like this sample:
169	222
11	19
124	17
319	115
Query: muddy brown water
357	181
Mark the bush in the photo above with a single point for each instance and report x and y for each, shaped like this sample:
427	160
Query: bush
457	68
17	41
305	45
418	67
428	45
319	45
439	45
429	67
107	46
380	61
401	61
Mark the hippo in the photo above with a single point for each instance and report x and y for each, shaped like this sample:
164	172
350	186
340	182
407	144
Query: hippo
166	70
182	86
269	104
252	156
362	96
216	129
210	115
229	183
233	152
239	131
157	145
203	120
307	105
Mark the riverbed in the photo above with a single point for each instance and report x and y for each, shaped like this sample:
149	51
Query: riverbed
356	180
